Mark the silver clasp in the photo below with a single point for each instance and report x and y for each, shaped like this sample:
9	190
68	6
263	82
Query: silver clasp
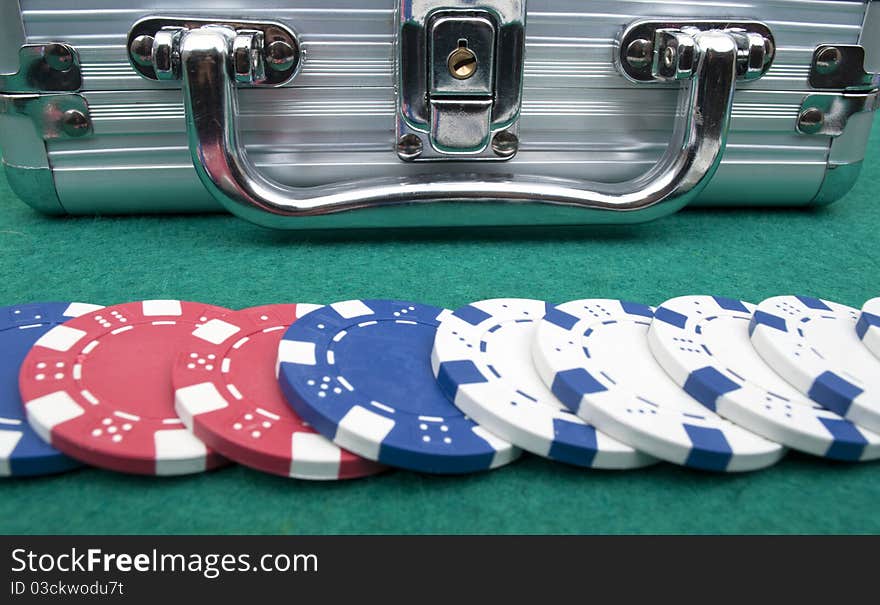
460	76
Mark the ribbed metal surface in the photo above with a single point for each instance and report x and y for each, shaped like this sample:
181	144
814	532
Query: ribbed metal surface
569	45
336	121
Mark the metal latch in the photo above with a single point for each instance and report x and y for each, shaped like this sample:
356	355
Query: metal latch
460	79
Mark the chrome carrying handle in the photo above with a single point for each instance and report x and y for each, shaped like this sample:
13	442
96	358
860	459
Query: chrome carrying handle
210	61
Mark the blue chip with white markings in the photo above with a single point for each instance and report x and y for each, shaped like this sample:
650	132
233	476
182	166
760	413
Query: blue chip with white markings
22	452
594	356
814	344
703	344
483	362
359	372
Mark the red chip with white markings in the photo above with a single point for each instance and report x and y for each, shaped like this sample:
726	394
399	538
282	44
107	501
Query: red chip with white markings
227	392
98	388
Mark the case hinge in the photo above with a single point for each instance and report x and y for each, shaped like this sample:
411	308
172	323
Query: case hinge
52	67
840	71
55	116
841	67
828	113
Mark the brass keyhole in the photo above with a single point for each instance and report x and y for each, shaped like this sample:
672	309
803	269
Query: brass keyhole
462	62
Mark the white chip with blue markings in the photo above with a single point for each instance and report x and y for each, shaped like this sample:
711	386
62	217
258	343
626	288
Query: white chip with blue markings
868	327
594	356
482	359
814	345
703	344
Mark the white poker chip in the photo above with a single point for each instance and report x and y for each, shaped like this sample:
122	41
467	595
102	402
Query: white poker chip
813	344
482	358
594	356
868	327
703	344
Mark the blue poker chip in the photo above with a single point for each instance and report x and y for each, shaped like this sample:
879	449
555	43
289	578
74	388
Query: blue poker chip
22	452
360	373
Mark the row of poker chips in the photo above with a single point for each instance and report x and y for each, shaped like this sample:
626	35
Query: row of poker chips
346	390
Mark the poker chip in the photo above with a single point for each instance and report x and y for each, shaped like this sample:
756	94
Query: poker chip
482	359
360	373
227	393
594	356
868	327
814	345
22	452
703	344
98	387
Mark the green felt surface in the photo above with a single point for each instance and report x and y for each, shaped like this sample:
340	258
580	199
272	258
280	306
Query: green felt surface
750	254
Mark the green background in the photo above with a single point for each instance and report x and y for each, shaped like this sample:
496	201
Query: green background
750	254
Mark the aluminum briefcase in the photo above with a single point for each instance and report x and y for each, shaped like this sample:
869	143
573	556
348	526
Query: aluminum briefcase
367	113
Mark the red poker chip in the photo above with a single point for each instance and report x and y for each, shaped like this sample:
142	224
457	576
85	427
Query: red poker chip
227	393
98	388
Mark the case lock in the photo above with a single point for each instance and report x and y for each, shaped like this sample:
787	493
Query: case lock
460	87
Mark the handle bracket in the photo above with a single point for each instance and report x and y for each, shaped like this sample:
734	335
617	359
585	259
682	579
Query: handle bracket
264	53
645	56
